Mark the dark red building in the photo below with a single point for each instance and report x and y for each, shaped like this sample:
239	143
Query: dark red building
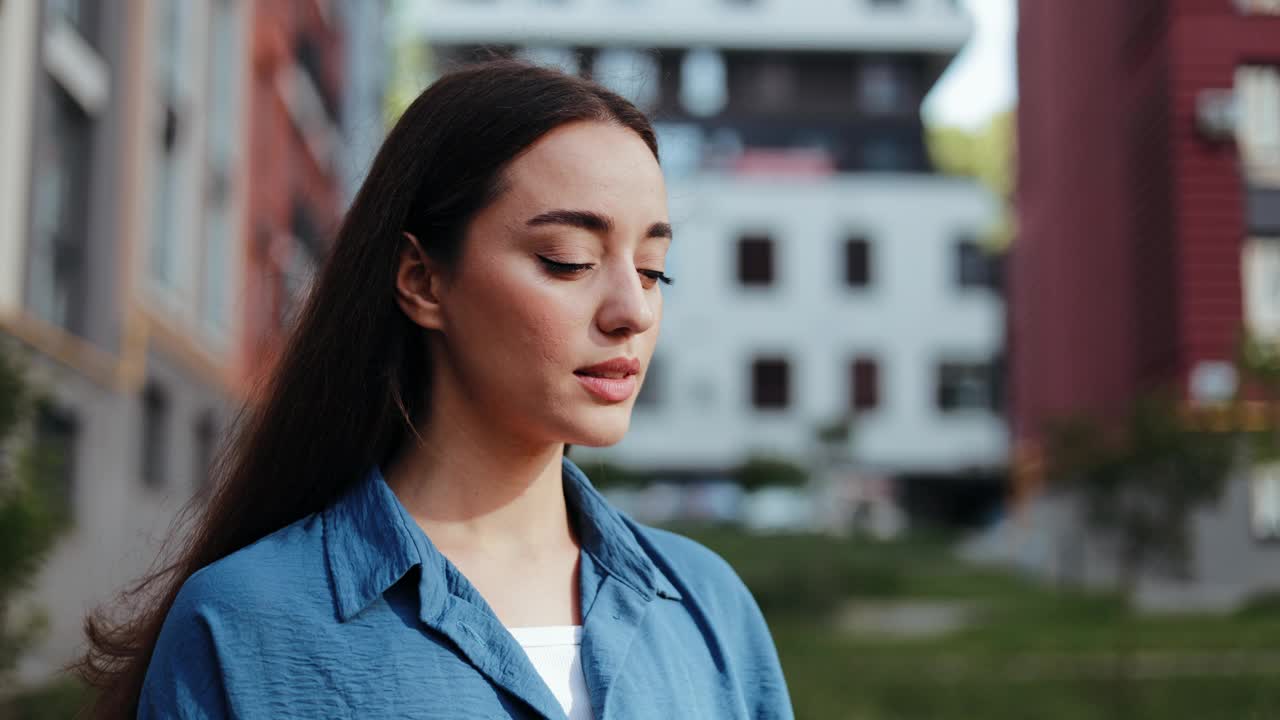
1133	202
294	186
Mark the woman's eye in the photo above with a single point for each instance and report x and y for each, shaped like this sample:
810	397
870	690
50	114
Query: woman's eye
654	276
561	268
651	277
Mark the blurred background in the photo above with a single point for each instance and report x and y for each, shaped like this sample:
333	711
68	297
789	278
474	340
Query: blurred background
970	369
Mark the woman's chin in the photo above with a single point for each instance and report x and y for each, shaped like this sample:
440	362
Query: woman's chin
602	430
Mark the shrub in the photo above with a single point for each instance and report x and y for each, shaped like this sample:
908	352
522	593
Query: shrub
761	471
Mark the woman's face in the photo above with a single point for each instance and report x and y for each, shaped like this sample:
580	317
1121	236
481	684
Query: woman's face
558	275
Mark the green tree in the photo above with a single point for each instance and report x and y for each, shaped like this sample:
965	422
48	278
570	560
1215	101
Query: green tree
987	155
1140	480
31	513
1259	363
761	471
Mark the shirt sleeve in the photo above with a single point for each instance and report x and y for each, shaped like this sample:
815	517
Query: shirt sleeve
184	679
762	670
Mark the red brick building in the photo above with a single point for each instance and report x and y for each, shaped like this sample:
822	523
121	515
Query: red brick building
1135	199
294	186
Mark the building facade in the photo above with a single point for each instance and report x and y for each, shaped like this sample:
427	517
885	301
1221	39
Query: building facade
822	267
118	243
170	175
1148	209
294	183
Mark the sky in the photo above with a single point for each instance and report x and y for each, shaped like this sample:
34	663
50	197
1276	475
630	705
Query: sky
982	80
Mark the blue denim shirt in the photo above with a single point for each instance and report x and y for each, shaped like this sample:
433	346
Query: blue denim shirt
352	613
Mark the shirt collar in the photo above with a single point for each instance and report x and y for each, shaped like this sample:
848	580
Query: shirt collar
371	542
610	537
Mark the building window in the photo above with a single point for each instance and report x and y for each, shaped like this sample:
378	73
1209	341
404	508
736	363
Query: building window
174	86
1262	205
59	203
864	384
681	146
755	260
220	169
1257	91
772	84
310	58
885	154
1264	501
215	299
770	383
299	269
968	386
704	85
164	242
970	265
883	87
857	262
1260	7
56	431
633	74
205	436
651	391
1261	270
155	441
974	266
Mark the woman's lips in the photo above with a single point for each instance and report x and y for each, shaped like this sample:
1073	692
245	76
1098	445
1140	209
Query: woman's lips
612	390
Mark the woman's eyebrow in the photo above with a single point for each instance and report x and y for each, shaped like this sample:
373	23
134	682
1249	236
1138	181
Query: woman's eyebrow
584	219
659	230
592	221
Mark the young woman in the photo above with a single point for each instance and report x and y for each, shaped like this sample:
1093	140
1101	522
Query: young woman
398	533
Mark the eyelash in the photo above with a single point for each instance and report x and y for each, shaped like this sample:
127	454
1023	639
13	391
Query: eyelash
566	268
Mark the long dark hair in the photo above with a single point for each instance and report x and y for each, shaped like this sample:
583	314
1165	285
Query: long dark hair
350	386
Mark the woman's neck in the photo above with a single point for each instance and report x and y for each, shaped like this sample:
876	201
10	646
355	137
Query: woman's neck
498	513
478	491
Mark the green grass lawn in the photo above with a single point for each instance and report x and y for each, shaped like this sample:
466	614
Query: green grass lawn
1029	652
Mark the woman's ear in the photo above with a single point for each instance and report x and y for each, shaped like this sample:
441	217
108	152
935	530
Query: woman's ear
419	280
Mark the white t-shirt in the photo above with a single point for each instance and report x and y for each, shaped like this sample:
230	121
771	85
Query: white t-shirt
554	652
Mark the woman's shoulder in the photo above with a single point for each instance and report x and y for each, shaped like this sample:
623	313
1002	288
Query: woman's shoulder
685	551
231	614
282	571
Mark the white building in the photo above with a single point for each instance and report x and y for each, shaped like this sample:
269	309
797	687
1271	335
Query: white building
821	266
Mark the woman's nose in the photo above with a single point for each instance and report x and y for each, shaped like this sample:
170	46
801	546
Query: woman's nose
626	307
